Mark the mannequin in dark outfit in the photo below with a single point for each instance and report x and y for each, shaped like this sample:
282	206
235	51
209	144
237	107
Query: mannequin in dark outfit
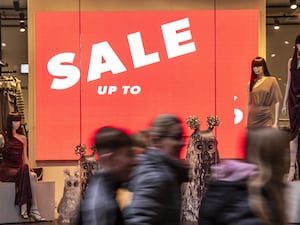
15	168
292	99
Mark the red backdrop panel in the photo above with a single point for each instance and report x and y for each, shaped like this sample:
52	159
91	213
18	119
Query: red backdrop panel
124	68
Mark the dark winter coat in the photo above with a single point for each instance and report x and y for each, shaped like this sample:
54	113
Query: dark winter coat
226	200
99	206
156	190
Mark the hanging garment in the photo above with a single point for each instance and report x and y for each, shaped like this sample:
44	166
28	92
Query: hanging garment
11	100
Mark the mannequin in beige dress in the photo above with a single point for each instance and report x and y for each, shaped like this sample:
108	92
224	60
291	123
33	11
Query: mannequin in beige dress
264	92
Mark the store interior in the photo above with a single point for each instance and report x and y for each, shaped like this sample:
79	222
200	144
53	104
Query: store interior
14	48
17	55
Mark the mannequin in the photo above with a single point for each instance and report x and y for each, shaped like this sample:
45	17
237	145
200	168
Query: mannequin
264	92
15	168
291	98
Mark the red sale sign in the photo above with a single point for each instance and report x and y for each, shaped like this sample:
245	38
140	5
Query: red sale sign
124	68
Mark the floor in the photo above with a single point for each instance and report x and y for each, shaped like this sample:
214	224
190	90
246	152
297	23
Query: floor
55	223
40	223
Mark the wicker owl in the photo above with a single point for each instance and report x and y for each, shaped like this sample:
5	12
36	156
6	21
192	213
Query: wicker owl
88	166
68	207
202	153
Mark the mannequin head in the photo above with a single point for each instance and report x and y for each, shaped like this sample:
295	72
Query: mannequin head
258	62
13	122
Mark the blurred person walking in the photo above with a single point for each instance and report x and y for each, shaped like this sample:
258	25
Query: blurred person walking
249	192
158	176
100	207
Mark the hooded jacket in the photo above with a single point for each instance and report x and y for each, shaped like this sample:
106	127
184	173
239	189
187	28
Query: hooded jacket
156	190
226	200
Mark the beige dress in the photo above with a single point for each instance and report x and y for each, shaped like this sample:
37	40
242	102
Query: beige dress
262	98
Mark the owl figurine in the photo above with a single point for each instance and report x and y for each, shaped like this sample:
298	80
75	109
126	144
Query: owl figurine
88	166
68	207
202	153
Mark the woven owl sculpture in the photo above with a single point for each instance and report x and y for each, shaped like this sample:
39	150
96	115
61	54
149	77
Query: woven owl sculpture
88	166
68	207
202	153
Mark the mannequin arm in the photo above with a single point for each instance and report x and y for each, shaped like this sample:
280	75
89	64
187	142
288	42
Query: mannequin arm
248	103
2	142
25	158
276	119
288	84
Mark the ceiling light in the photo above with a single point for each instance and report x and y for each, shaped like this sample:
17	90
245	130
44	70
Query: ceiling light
22	17
293	4
16	4
22	22
22	27
276	24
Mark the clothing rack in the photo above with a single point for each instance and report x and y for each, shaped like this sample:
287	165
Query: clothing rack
7	78
4	78
9	71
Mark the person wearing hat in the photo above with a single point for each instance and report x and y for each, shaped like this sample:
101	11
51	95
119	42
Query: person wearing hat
292	99
156	180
